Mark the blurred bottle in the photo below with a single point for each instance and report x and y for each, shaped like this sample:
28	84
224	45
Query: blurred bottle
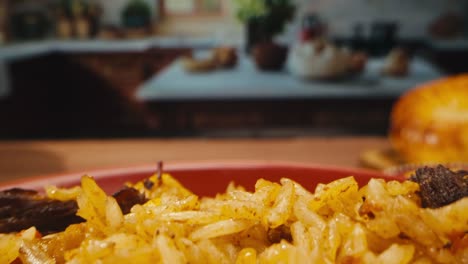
2	22
80	20
82	28
312	27
94	16
383	37
77	18
358	40
64	28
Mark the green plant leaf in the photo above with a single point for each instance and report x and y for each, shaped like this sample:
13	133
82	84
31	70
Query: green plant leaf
270	15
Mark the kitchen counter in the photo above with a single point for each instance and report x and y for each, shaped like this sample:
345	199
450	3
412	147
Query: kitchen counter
246	82
252	101
20	159
13	52
30	49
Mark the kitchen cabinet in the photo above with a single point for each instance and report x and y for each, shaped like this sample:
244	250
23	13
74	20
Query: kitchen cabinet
80	94
246	101
450	55
126	70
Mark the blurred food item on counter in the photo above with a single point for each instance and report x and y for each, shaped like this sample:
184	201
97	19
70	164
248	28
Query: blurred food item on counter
447	26
409	170
269	56
320	59
110	32
430	122
136	33
358	62
397	63
199	65
223	57
312	27
390	162
226	57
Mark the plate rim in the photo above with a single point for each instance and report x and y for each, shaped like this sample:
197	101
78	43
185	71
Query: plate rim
113	171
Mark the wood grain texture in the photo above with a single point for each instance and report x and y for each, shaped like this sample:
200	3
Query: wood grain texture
20	159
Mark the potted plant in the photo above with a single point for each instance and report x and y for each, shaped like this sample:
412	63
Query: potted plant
137	14
264	19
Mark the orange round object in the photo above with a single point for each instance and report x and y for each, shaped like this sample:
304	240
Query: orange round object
430	122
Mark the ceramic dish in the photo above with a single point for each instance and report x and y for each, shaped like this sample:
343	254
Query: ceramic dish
207	178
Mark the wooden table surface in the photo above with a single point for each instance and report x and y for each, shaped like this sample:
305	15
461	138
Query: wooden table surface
19	159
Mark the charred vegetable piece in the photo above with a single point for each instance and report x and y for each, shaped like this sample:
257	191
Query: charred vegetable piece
21	209
277	234
440	186
128	197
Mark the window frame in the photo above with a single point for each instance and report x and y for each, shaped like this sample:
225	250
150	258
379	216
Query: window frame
195	13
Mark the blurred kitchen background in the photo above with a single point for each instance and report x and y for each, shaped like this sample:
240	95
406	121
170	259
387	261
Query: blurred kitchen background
219	68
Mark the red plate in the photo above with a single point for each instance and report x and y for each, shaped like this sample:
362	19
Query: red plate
208	178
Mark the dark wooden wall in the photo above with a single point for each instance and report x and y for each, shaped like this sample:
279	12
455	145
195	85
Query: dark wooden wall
80	95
